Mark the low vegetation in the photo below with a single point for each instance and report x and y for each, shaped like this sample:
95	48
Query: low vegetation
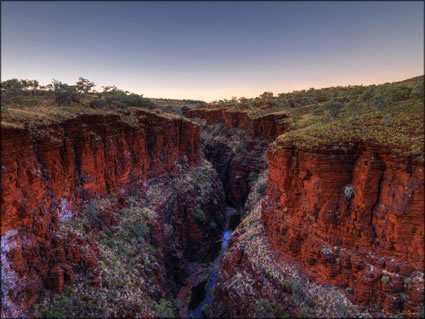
398	128
26	103
388	116
380	95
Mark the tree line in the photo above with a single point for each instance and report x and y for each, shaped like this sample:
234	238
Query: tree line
330	99
65	94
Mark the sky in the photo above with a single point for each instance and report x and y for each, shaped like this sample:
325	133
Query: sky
213	50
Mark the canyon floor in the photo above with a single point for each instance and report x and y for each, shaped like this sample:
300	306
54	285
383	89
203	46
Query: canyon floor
306	205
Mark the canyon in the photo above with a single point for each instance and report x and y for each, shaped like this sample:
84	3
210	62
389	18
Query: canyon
323	232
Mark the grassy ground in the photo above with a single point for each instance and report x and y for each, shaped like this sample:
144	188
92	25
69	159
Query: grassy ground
389	116
176	106
398	128
46	112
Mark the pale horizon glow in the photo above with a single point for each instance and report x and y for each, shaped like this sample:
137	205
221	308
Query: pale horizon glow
213	50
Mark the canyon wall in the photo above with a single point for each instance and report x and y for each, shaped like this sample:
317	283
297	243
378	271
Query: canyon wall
47	173
267	126
89	155
235	143
354	218
258	281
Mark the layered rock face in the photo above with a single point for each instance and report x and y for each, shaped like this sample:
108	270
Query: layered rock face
235	158
268	126
86	156
354	219
258	281
48	172
235	143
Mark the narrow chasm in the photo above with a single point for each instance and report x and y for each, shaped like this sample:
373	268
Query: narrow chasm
238	160
148	248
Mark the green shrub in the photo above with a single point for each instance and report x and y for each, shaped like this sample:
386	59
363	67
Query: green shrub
368	93
84	86
287	286
341	310
200	215
407	280
216	131
212	225
296	117
388	119
385	279
91	213
387	94
65	94
30	102
12	88
354	107
296	289
164	309
138	229
252	178
205	310
380	102
318	110
53	314
310	303
240	148
98	103
418	90
262	189
123	101
266	309
152	249
333	108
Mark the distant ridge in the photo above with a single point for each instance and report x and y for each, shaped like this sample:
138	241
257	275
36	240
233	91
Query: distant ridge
414	79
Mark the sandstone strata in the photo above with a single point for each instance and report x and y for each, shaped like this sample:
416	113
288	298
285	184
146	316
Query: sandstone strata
49	171
235	143
267	126
354	219
258	281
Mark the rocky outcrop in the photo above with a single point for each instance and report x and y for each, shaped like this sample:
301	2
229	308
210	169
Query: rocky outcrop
49	171
86	156
354	219
258	281
147	248
267	126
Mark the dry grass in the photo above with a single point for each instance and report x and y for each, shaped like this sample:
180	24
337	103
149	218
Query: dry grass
404	134
17	116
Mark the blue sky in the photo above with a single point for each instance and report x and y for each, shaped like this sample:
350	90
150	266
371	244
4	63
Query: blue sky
213	50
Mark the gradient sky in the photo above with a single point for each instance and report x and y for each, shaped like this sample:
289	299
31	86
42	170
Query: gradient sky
213	50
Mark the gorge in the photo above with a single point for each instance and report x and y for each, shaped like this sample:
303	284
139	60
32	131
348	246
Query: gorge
219	212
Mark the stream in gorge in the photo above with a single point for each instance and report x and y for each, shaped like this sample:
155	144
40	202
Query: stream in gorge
202	293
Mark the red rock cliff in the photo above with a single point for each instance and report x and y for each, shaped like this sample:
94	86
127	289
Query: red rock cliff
48	172
267	126
355	219
86	156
